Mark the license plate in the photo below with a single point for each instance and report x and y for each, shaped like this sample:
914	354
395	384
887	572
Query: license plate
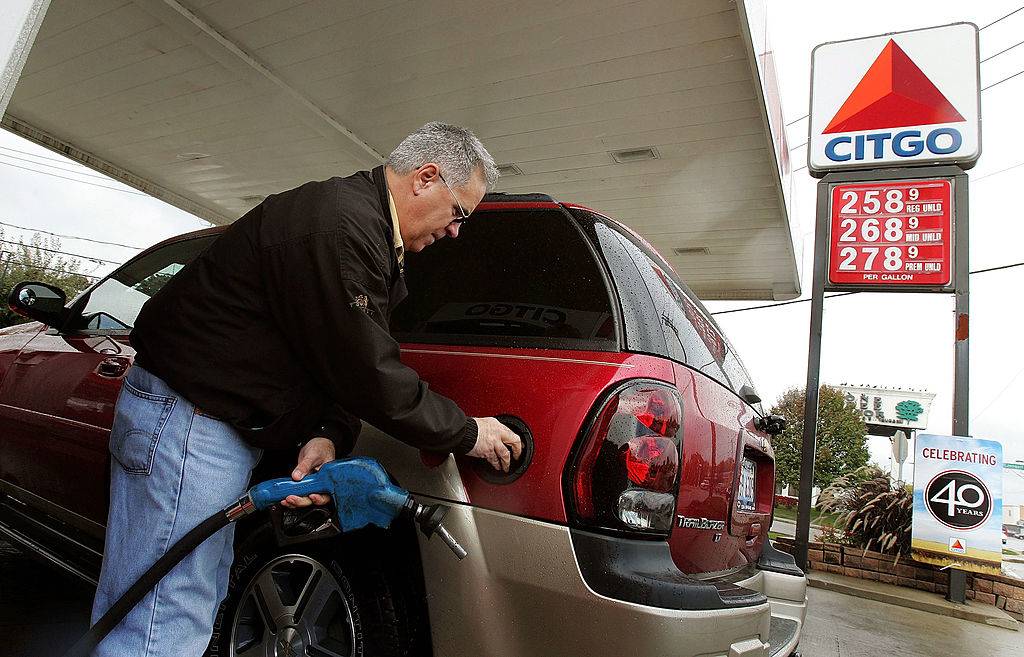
745	492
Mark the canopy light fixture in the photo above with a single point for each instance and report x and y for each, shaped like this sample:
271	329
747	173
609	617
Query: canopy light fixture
509	170
191	156
691	250
752	294
634	155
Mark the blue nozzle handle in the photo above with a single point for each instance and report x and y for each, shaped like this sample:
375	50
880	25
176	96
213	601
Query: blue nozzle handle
272	491
362	491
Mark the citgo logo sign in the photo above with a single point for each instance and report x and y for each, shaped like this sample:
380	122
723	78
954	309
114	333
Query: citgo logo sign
893	93
896	114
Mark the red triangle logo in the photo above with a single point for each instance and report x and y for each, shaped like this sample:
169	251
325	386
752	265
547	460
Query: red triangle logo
957	545
893	93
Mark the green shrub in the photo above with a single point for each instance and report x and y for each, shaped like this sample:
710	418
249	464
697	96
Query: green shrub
875	512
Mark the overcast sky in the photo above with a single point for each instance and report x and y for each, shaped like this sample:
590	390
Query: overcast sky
886	340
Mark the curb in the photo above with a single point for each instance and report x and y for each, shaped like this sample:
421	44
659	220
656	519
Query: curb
912	599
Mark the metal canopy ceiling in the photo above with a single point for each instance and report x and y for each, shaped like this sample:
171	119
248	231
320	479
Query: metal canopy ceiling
213	104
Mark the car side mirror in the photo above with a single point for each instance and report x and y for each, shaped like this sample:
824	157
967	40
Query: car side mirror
749	395
39	301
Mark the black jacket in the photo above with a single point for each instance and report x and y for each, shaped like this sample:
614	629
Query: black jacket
281	326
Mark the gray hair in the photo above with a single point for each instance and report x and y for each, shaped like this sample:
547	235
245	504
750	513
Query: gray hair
455	149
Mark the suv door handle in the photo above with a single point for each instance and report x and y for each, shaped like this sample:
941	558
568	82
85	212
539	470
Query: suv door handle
112	367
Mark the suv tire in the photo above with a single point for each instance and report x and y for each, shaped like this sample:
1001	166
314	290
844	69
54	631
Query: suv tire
357	609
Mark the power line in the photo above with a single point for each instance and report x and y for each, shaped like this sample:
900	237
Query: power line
73	255
71	237
54	166
1010	77
999	268
793	148
29	265
994	173
999	394
1001	52
84	182
994	84
1001	18
781	303
43	157
844	294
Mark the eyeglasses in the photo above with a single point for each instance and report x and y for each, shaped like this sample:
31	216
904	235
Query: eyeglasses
463	215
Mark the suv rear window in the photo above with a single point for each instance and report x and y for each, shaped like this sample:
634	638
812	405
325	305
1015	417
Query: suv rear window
692	337
521	278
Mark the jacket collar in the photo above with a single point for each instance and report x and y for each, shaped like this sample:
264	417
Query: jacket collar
381	183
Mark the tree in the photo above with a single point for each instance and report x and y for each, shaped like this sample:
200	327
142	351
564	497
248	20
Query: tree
842	438
38	260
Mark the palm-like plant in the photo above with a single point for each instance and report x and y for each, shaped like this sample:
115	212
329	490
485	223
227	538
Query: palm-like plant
876	513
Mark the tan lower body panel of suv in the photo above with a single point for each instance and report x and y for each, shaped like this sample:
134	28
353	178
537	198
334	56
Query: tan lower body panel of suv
522	592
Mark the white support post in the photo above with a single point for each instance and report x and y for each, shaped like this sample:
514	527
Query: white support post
19	24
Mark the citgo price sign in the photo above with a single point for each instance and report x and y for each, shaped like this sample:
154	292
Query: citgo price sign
891	233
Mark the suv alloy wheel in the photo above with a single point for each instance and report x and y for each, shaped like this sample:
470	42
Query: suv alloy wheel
292	603
328	598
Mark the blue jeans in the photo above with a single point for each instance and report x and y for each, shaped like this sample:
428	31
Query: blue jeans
171	467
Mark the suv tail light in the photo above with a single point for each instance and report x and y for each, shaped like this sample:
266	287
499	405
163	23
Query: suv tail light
625	476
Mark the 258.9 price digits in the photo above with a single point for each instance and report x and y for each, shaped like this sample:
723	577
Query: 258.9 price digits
873	205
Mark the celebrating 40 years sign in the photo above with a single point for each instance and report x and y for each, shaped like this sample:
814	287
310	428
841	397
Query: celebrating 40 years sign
958	506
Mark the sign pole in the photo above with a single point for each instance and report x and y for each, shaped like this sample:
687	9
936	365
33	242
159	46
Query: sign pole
899	472
961	362
808	441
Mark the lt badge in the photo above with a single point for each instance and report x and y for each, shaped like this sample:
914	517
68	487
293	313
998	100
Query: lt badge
362	302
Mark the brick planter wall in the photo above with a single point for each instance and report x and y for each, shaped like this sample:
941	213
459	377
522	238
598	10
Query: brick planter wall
1005	593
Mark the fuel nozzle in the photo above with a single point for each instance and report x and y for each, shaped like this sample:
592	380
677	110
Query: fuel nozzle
363	495
429	519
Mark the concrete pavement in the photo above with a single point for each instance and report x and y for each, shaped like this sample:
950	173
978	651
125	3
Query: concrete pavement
43	611
913	599
839	625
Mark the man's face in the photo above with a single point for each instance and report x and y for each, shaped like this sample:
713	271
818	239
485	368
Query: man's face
432	209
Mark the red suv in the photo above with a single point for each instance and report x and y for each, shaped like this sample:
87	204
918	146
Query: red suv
636	521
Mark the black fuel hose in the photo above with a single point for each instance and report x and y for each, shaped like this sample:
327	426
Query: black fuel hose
185	545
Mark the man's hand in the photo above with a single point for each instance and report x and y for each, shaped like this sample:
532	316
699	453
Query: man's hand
494	442
312	455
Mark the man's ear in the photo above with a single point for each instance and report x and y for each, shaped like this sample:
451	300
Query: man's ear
425	176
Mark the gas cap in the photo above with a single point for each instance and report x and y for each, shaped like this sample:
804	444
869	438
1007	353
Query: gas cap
519	465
